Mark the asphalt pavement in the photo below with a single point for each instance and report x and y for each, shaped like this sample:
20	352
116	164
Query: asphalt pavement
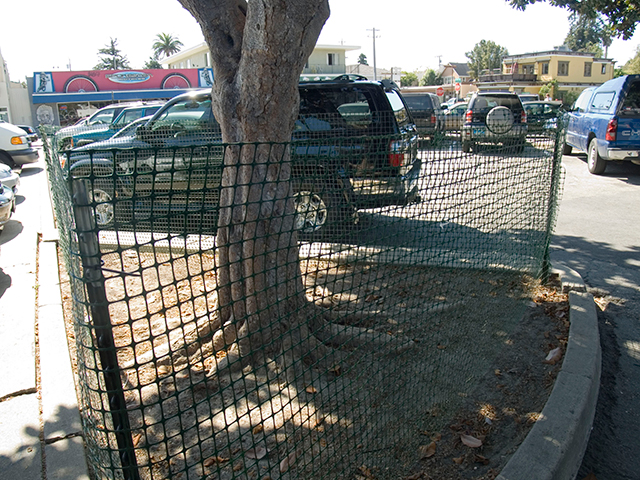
40	431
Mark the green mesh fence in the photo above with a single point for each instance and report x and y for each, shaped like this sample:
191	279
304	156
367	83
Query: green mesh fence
303	312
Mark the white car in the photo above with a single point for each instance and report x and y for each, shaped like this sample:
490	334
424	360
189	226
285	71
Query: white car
15	146
9	178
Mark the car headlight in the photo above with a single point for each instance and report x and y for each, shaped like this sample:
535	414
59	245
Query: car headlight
19	140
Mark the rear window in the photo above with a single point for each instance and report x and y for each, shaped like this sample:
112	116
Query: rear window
399	110
418	102
631	102
488	102
602	100
332	109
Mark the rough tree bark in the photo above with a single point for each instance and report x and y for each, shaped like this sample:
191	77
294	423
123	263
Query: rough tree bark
258	52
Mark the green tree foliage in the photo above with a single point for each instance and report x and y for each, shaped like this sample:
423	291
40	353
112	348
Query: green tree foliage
621	16
362	59
587	35
551	88
430	77
152	63
633	65
165	45
486	55
408	79
111	58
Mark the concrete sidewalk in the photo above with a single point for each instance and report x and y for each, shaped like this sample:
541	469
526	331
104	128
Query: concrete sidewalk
40	431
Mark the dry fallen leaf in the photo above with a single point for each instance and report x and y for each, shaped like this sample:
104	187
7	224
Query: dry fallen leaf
287	461
458	460
256	453
427	451
366	472
481	459
591	476
553	356
136	439
470	441
310	389
257	429
211	460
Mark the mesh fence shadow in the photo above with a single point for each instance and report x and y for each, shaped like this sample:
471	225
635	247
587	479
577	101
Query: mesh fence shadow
293	310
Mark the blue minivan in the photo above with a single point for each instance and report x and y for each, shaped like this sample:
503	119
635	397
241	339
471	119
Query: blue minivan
605	122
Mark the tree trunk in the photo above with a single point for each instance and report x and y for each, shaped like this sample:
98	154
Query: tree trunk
258	52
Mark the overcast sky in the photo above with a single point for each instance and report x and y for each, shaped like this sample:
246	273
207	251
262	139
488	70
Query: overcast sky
413	34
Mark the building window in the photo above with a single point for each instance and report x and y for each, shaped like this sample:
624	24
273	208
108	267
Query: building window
527	69
331	59
545	68
206	59
604	69
563	69
587	69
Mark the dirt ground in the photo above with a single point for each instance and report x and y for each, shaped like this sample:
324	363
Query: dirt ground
309	419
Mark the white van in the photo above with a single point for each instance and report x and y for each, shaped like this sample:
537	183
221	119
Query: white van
15	147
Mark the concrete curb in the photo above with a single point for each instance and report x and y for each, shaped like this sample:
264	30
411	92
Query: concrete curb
554	447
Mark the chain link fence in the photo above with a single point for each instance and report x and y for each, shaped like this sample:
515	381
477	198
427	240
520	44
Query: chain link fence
275	311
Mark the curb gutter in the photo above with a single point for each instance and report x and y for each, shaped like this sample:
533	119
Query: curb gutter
554	447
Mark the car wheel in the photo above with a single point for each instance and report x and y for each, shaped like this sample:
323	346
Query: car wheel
566	149
466	146
595	162
101	197
7	160
322	211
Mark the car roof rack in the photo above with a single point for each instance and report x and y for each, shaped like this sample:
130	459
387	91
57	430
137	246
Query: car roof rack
343	77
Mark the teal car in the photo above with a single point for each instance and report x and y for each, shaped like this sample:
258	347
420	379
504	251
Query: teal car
107	130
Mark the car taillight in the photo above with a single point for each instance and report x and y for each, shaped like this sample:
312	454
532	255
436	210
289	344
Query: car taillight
523	117
397	153
612	129
468	117
433	118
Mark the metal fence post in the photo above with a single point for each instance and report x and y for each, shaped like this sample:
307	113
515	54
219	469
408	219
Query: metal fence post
98	304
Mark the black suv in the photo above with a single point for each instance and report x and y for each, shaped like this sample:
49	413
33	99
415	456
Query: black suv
426	111
494	118
354	146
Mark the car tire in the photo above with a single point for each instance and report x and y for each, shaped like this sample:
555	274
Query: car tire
466	146
108	209
7	160
595	163
322	211
567	149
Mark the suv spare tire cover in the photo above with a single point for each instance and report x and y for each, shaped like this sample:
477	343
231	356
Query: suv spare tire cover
500	120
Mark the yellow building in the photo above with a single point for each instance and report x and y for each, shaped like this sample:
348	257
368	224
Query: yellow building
527	73
323	59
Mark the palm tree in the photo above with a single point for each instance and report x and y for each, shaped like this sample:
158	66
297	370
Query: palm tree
166	45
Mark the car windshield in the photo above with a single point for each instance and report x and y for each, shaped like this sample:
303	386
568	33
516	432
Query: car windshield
102	116
129	130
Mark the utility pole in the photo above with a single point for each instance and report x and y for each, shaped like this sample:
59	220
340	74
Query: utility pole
375	72
439	57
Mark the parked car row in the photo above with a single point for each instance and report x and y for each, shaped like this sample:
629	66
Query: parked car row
16	150
354	146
